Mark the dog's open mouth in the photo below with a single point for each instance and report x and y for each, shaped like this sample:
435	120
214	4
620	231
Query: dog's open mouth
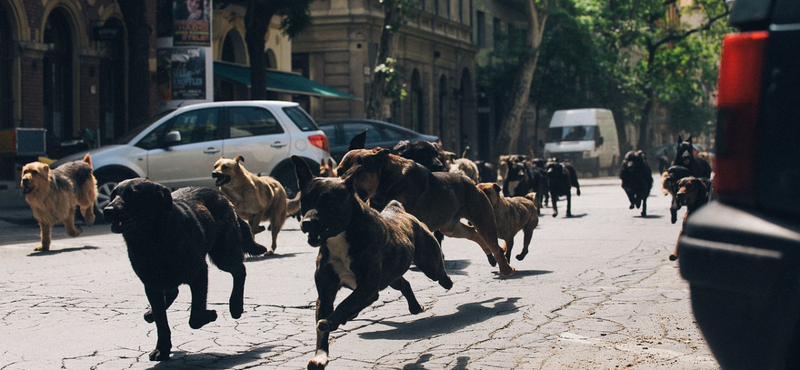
27	189
222	178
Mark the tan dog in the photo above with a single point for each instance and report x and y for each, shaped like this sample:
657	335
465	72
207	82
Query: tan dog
255	198
54	194
512	215
327	168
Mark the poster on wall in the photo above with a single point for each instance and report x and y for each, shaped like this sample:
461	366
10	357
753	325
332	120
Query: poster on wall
182	74
191	21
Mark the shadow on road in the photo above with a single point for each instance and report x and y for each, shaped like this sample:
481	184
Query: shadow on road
62	250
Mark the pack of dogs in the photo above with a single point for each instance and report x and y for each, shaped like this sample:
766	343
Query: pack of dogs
372	216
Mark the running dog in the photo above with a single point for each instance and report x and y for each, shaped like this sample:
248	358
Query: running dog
685	157
693	193
669	185
512	215
561	177
168	237
256	198
360	249
54	193
637	179
439	199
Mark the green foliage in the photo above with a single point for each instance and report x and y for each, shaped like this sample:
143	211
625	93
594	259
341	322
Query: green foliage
393	86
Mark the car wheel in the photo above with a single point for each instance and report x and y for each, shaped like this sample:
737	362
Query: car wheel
105	184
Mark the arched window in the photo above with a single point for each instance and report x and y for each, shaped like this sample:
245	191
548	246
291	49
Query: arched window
57	78
233	51
112	85
6	58
417	103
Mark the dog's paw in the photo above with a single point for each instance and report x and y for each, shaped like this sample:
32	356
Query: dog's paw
673	257
521	256
415	309
204	318
236	307
318	363
492	261
259	229
74	232
157	355
42	248
148	316
631	207
446	283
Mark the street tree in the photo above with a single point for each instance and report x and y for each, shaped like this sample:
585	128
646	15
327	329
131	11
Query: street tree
297	17
507	140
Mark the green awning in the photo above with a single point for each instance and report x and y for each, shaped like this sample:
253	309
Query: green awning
279	81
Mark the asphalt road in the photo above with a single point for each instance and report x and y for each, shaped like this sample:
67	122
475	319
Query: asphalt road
597	291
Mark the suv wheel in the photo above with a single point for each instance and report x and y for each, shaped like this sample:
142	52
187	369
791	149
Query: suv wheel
105	184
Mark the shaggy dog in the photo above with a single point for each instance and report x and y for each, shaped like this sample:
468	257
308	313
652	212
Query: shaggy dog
168	237
423	152
512	215
466	167
637	179
256	198
53	195
360	249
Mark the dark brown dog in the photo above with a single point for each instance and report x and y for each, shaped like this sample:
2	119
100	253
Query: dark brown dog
54	194
168	237
561	178
360	249
256	198
512	215
439	199
693	193
669	184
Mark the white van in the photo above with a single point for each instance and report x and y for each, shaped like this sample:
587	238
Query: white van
585	137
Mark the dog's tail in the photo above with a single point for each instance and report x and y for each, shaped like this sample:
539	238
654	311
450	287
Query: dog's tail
87	159
293	205
249	244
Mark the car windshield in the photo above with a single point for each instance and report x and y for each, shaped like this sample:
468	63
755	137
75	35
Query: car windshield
570	133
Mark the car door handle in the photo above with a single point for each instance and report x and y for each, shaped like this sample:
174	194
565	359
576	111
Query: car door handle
278	144
211	150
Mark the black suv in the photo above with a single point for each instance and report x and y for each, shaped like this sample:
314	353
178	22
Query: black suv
741	253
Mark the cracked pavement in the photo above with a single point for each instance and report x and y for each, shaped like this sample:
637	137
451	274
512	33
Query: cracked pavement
596	292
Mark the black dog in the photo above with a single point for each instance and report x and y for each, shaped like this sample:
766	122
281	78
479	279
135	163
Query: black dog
637	179
523	178
685	157
423	152
360	249
168	237
561	177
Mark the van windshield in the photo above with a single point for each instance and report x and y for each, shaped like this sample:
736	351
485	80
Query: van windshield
570	133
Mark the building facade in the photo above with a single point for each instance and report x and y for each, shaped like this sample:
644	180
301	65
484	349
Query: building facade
435	56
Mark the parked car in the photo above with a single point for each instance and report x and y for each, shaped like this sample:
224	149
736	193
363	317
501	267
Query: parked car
382	134
741	252
179	149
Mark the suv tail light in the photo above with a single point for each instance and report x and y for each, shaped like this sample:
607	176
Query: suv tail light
738	97
320	141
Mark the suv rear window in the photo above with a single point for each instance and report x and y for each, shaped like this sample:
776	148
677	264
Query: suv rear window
301	118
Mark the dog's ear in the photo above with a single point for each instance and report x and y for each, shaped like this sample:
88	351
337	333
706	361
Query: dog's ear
689	139
303	172
497	187
401	146
239	159
165	196
359	141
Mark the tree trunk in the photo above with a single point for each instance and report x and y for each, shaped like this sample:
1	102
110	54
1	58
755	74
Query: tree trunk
135	13
507	141
257	20
376	103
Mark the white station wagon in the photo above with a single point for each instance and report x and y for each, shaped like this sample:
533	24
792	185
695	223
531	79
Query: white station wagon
179	149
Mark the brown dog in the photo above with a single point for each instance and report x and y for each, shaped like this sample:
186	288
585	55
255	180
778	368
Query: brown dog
327	168
54	194
512	215
255	198
693	193
439	199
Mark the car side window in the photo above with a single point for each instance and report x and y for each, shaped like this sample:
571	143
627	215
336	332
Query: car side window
197	126
252	121
392	134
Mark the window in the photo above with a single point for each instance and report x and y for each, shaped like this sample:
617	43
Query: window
252	121
353	129
195	127
301	119
481	29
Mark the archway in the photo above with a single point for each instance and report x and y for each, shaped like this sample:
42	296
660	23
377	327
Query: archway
112	84
234	50
6	60
57	79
